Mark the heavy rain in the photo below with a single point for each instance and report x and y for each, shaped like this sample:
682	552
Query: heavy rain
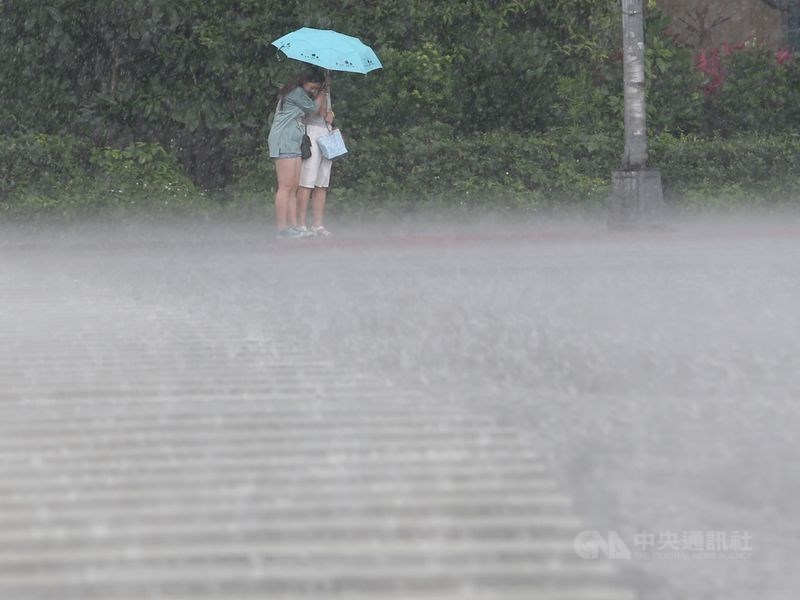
551	384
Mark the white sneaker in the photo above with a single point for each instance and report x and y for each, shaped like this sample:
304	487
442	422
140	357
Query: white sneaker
320	232
303	231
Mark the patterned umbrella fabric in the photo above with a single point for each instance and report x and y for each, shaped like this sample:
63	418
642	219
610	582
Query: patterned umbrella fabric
328	49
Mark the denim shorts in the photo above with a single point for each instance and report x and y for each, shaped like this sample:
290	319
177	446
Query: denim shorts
289	155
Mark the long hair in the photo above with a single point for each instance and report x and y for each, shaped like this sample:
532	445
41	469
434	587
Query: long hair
312	74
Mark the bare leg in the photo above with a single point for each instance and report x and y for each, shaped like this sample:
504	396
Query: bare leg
291	211
288	171
318	199
303	194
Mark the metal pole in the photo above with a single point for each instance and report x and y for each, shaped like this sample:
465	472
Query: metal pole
636	199
633	63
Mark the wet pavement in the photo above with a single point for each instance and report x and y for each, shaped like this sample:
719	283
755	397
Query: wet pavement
404	411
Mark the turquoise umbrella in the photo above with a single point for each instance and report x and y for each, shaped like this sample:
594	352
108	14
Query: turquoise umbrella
328	49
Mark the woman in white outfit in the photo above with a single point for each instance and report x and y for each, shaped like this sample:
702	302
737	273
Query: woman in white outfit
315	174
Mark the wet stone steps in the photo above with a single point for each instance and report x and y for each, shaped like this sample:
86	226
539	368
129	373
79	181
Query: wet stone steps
148	454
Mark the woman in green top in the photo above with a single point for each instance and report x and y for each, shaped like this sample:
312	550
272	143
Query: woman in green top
296	99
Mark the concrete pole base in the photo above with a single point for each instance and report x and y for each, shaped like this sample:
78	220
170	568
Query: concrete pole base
636	200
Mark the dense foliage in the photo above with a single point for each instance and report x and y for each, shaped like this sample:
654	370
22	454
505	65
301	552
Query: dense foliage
113	103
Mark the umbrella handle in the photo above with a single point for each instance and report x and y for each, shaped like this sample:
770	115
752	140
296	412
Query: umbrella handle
330	109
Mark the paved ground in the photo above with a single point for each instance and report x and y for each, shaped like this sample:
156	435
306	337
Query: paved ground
202	412
160	441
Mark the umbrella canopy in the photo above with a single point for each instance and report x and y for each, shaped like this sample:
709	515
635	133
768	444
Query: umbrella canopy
328	49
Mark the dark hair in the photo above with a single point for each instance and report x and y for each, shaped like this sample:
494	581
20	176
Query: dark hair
312	74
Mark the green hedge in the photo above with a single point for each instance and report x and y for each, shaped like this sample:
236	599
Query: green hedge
746	169
431	166
420	168
40	163
425	166
759	94
44	175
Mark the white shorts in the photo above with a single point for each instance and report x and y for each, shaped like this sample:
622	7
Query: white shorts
316	171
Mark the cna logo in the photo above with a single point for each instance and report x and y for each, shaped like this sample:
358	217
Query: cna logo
589	544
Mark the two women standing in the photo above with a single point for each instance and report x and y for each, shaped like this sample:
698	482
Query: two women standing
303	105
